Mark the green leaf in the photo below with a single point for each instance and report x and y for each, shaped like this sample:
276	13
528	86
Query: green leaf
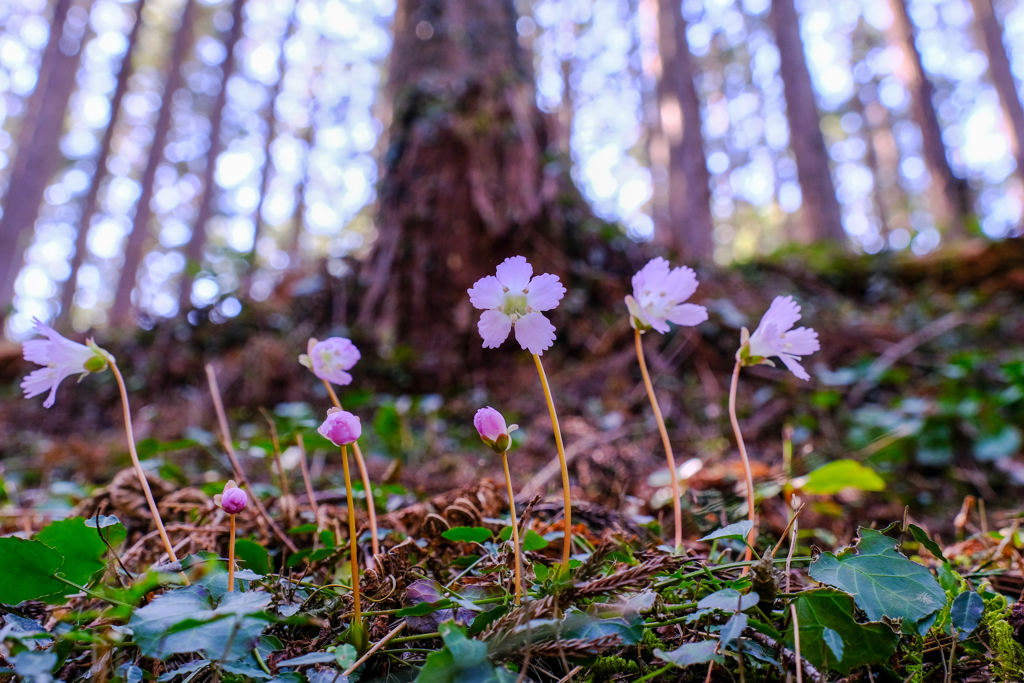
949	579
254	555
733	629
728	600
28	568
921	537
81	547
345	656
882	581
184	620
35	666
692	653
311	658
470	534
842	474
738	530
423	608
532	541
461	661
965	613
826	608
834	642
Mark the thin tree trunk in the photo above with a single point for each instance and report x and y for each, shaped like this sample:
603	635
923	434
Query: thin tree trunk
38	148
950	195
822	217
143	211
194	249
1002	77
270	122
464	182
90	202
689	182
299	215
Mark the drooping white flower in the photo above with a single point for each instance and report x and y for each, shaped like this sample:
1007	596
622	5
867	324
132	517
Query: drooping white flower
515	299
61	358
775	336
331	359
659	293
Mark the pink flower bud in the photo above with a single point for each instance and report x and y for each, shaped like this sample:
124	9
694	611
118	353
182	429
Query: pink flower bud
341	427
233	500
491	426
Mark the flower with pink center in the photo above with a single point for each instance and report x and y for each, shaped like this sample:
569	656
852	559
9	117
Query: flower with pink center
513	298
331	358
659	293
341	427
233	500
61	358
775	336
491	426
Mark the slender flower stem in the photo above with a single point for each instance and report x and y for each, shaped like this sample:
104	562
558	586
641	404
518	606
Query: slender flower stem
567	540
796	645
367	486
676	506
229	448
353	546
515	531
231	556
310	493
138	466
746	462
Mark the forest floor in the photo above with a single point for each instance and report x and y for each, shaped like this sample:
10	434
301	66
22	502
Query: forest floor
920	381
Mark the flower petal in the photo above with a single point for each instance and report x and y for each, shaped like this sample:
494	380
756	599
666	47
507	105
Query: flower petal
784	312
535	333
688	314
38	382
487	293
794	366
545	292
680	284
37	351
802	341
494	327
650	277
515	273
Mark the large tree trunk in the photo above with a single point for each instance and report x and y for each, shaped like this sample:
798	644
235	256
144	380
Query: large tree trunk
950	196
89	204
465	180
143	211
194	248
689	182
822	217
1002	77
38	148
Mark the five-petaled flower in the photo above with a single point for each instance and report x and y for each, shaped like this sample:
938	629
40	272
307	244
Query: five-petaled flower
331	358
516	299
658	297
61	358
341	427
775	336
233	500
491	426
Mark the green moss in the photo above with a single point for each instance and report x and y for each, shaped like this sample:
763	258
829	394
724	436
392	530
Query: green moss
1008	661
606	667
652	642
914	661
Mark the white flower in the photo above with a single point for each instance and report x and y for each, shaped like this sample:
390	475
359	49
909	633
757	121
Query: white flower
775	336
61	358
331	359
658	296
513	299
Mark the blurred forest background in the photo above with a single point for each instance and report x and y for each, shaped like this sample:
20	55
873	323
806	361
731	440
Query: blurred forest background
162	155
